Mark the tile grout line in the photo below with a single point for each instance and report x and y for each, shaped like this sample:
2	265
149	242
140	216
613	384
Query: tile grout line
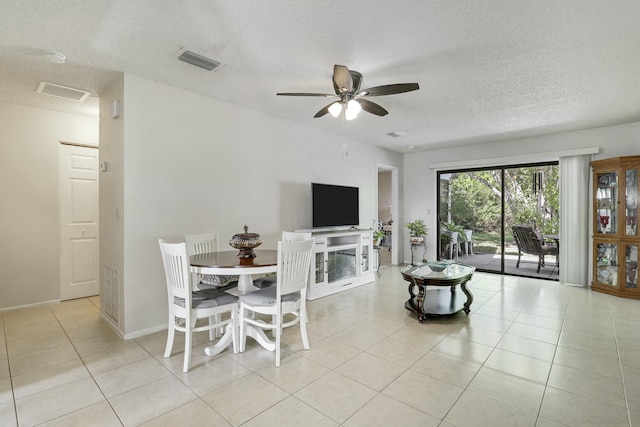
85	366
6	347
624	387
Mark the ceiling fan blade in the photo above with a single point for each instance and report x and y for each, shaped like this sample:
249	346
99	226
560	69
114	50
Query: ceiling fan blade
372	107
322	112
389	89
326	95
342	81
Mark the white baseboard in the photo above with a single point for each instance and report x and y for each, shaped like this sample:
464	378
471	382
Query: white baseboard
37	304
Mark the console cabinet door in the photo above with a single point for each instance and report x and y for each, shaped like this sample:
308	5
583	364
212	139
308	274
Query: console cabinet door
365	254
319	264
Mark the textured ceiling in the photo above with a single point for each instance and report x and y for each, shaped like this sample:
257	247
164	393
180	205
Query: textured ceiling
487	70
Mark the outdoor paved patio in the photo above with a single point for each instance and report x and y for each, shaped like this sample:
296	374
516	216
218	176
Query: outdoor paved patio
491	262
528	264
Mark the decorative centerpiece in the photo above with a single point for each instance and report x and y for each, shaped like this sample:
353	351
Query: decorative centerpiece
246	242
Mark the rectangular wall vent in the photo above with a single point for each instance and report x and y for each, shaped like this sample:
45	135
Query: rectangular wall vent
110	293
198	60
397	133
60	91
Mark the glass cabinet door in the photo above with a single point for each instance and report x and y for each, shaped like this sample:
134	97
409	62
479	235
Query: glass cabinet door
364	259
607	264
631	202
607	203
631	267
320	268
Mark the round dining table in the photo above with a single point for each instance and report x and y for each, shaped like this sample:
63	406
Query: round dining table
227	263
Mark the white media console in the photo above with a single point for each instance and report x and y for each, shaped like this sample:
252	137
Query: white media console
341	260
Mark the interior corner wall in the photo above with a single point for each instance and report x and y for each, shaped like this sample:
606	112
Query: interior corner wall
112	205
195	164
420	181
29	218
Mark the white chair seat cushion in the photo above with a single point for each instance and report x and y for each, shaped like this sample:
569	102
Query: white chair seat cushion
265	282
266	297
211	281
204	299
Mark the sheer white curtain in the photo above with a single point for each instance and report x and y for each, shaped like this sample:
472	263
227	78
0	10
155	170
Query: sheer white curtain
574	219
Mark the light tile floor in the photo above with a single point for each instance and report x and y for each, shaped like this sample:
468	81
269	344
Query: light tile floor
531	353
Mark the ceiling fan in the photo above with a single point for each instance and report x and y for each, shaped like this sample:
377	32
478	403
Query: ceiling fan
346	84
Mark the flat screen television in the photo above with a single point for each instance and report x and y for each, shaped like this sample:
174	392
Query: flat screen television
334	205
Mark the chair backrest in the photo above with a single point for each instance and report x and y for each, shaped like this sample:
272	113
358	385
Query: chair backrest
293	236
176	270
526	239
294	259
468	233
201	243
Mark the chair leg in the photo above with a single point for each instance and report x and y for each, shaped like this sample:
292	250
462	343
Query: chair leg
278	331
303	330
187	349
540	262
234	329
518	263
243	330
213	332
170	335
273	321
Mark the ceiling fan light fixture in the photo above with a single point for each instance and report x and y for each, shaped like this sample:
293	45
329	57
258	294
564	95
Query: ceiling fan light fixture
354	106
335	109
350	114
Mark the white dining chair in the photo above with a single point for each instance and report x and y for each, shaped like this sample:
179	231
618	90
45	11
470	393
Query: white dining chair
187	306
204	243
287	297
287	236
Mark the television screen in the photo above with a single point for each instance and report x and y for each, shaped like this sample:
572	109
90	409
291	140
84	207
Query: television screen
334	205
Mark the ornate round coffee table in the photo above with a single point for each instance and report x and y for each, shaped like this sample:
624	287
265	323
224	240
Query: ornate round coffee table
438	302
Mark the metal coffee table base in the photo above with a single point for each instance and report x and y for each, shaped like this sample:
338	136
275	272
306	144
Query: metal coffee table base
444	301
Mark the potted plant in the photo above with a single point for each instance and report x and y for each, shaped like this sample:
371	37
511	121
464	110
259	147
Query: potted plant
377	237
417	231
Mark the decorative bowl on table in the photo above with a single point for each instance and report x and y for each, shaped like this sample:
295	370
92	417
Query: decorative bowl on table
439	266
246	242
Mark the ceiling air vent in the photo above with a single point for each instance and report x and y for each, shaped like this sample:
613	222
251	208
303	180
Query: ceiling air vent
190	57
397	133
65	92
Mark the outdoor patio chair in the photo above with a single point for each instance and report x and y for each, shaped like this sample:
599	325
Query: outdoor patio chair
529	243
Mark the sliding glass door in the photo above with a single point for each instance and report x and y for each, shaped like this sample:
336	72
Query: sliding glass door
480	209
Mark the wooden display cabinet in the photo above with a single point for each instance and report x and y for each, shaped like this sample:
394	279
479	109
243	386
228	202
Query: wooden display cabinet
615	226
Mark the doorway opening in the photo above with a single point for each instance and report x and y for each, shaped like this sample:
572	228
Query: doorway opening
79	244
481	211
387	186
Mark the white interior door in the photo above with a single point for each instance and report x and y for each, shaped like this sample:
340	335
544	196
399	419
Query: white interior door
79	272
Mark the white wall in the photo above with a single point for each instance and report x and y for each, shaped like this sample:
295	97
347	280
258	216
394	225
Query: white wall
112	202
194	164
29	220
420	180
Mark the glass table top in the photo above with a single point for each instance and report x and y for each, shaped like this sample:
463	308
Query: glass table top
439	270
